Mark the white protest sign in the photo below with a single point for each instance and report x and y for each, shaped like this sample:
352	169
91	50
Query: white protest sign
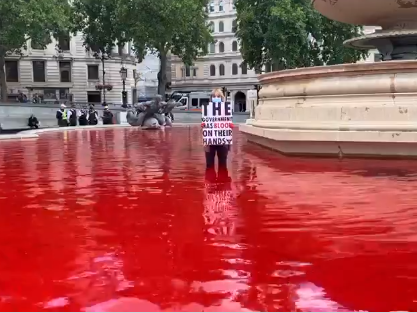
217	123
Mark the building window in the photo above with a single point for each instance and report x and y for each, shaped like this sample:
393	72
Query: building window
234	69
211	27
221	47
212	48
64	42
221	6
211	6
64	94
93	96
234	4
234	26
93	72
194	72
244	68
221	70
65	71
187	71
212	70
221	27
234	45
12	71
38	71
36	45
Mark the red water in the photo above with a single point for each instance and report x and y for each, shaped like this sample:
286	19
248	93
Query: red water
131	216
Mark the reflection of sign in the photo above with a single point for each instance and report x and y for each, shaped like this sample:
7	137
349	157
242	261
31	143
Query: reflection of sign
216	121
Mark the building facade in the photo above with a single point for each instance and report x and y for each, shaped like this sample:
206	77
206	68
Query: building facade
64	71
147	80
223	65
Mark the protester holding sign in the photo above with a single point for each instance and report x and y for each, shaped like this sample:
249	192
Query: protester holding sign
217	129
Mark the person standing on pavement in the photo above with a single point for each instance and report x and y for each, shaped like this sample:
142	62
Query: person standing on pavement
92	116
63	116
73	116
107	116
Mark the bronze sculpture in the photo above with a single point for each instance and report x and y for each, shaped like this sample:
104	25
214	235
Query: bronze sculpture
152	114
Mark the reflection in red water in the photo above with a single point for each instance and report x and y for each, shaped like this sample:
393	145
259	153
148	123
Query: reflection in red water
127	219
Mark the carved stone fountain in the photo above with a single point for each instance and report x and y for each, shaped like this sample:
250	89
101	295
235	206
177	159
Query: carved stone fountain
362	109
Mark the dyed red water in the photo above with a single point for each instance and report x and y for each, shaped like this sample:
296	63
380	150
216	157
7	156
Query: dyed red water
131	216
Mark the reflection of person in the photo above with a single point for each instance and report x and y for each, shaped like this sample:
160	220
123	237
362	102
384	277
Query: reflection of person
222	151
219	203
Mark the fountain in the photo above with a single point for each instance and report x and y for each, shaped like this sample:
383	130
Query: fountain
152	114
347	110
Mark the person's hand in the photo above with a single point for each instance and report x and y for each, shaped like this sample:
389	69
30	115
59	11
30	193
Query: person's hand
202	125
231	125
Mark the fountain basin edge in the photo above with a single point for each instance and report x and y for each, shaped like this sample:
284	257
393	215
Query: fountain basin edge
349	110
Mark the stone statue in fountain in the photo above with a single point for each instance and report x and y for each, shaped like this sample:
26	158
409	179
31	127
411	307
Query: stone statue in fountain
151	114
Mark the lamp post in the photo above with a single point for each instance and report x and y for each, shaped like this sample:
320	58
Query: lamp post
224	89
257	88
123	75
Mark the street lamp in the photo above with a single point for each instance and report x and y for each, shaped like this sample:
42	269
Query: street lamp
224	89
257	88
123	75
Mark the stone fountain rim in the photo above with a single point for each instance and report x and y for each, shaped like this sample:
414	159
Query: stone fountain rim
361	42
36	133
328	71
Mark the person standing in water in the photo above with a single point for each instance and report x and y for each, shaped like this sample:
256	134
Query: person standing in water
222	151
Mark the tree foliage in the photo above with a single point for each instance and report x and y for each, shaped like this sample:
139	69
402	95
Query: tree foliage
163	26
37	20
99	23
291	34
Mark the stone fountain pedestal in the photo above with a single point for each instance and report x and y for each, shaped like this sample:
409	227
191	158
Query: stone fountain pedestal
349	110
343	110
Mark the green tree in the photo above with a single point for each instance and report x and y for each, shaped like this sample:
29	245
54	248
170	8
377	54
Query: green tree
290	33
98	22
164	26
101	27
23	20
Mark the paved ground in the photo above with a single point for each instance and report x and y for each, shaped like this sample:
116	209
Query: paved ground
16	118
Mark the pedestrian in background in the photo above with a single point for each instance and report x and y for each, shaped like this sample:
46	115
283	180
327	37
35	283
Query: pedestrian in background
62	116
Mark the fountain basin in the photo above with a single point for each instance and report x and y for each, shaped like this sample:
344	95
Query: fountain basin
385	13
363	109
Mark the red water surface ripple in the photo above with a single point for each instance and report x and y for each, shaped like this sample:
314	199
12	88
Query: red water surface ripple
130	220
